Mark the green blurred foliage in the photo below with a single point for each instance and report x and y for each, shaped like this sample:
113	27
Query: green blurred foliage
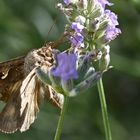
24	25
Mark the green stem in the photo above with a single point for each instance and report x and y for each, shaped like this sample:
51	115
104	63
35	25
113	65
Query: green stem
61	119
104	110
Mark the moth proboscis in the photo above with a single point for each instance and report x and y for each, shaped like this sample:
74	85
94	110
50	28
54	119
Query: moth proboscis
22	91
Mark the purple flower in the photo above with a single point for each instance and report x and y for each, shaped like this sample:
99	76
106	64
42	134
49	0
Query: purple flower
67	2
66	68
104	3
76	40
112	33
77	27
113	19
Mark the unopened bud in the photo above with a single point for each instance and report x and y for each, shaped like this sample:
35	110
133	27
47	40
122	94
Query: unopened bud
80	19
86	84
105	60
82	4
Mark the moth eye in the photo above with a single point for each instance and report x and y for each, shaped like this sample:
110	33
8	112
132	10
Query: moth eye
39	62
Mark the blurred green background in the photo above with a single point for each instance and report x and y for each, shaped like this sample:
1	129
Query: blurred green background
24	25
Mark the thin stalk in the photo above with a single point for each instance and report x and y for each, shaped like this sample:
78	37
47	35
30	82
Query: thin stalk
104	110
61	119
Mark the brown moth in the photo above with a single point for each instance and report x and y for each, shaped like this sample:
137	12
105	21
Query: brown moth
22	91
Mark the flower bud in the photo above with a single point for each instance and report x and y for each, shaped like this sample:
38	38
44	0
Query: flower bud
90	71
96	9
82	4
105	60
94	25
86	84
80	19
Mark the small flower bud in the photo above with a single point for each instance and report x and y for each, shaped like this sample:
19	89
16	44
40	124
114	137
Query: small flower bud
105	60
60	6
96	9
90	71
80	19
82	4
93	25
86	84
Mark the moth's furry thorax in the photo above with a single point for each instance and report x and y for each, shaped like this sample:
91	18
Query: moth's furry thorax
38	58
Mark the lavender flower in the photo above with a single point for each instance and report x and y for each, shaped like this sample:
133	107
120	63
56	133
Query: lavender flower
104	3
113	19
66	68
99	26
112	33
67	2
91	19
77	27
76	40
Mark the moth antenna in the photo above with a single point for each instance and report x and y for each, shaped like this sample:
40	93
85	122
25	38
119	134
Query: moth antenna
50	31
51	27
59	41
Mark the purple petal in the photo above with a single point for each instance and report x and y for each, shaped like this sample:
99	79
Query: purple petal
77	27
67	2
76	40
112	33
66	68
113	19
104	3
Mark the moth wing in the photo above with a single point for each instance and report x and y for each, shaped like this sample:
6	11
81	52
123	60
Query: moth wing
29	93
10	73
11	76
9	117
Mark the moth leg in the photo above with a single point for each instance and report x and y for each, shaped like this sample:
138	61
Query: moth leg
57	99
53	97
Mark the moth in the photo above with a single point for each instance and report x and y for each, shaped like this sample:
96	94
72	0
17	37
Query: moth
22	91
